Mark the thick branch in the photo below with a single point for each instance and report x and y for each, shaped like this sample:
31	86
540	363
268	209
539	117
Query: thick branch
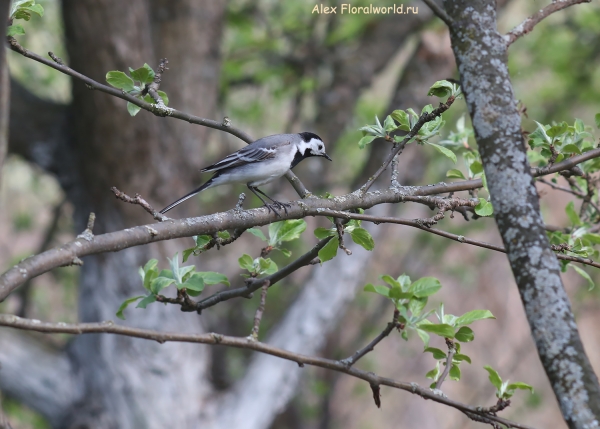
233	219
527	25
242	343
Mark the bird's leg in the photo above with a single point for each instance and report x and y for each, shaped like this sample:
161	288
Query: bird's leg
267	205
277	203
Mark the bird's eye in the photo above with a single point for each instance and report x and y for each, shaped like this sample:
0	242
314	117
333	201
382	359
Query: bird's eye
320	147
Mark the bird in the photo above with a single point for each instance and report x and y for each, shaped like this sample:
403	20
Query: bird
259	163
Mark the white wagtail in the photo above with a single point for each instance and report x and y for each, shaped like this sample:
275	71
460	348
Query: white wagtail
261	162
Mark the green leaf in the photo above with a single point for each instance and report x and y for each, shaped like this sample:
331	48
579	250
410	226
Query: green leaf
257	233
476	167
494	377
441	88
381	290
246	262
459	357
363	142
223	235
404	281
484	208
187	253
285	252
164	97
572	214
390	280
401	117
195	283
329	250
571	148
133	109
465	335
437	353
584	275
322	233
434	373
35	8
202	240
445	151
213	278
424	336
123	306
23	14
160	283
510	389
597	119
454	373
362	237
455	174
144	74
389	124
267	266
16	4
15	30
416	305
288	230
120	80
441	329
425	286
147	300
472	316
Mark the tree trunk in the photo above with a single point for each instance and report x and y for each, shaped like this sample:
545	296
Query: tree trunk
481	56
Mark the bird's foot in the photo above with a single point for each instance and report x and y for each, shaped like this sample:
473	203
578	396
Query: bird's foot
279	205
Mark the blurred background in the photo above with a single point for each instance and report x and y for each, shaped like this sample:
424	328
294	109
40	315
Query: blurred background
271	67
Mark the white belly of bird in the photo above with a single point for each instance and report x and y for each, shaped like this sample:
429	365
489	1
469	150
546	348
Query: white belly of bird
256	174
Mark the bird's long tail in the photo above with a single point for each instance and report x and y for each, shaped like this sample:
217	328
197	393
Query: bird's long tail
187	197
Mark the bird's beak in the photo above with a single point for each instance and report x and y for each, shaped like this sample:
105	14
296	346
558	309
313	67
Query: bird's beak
326	156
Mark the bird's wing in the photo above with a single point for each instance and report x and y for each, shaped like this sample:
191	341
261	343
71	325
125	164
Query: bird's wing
258	151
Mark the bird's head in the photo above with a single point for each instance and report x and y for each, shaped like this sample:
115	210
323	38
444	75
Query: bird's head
312	145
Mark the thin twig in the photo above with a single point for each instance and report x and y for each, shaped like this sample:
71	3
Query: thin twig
109	327
156	109
527	25
439	12
256	284
349	361
423	119
260	310
460	238
449	357
137	199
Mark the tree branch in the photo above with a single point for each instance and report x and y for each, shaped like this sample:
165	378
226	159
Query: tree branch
156	109
439	12
527	25
423	119
235	219
254	285
243	343
349	361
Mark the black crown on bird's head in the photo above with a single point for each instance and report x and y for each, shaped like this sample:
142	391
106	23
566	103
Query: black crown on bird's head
307	136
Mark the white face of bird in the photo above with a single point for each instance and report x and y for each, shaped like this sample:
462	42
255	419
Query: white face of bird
313	144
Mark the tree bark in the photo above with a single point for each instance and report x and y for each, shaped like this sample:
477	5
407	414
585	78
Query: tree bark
481	55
